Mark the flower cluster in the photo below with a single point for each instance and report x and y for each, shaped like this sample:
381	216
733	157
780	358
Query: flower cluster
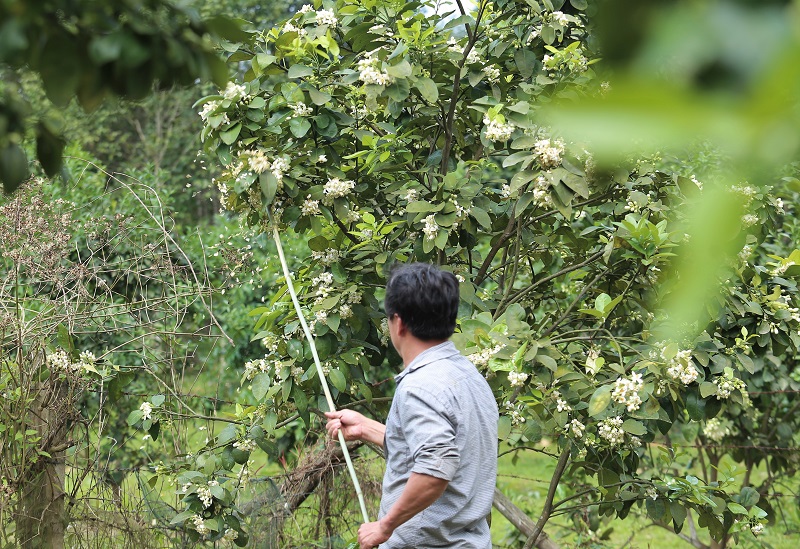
258	162
578	429
279	167
147	410
200	525
60	361
204	494
492	73
310	207
209	108
253	367
514	411
290	27
337	188
611	430
727	383
549	152
541	192
234	92
561	404
716	430
497	130
517	379
326	17
431	228
681	367
481	358
369	72
626	391
246	445
301	109
327	257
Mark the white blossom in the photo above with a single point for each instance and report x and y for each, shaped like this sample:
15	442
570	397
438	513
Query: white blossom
431	228
246	445
310	207
326	17
301	109
234	92
369	72
147	410
549	153
611	430
492	73
626	391
258	162
715	430
498	131
481	358
337	188
517	379
577	428
306	8
291	27
681	367
204	494
200	525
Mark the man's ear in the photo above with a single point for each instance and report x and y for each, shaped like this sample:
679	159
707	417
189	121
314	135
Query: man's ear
402	329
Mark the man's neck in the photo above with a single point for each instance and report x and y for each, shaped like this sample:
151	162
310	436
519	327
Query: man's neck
413	347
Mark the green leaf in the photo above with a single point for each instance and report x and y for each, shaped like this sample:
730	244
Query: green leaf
749	496
634	427
269	186
503	427
707	389
230	135
338	380
49	148
260	385
299	71
157	400
428	89
134	417
481	217
548	34
13	167
696	406
600	400
299	126
318	97
228	28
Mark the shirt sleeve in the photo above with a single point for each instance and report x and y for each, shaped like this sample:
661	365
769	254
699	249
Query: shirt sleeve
430	432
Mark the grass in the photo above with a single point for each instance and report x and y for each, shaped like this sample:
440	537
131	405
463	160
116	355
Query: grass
526	481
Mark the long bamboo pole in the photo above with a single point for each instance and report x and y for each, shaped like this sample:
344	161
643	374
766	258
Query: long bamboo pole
320	373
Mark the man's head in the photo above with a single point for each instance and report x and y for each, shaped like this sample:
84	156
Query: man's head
425	298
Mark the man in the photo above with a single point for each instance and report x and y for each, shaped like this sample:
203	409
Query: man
440	438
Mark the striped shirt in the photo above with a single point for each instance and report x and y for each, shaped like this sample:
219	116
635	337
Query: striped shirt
442	423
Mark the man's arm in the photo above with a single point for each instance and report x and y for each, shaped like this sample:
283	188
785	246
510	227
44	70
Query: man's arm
420	491
355	426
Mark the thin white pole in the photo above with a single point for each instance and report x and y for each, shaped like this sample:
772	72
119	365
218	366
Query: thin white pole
320	373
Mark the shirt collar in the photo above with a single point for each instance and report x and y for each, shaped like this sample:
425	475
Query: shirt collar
437	352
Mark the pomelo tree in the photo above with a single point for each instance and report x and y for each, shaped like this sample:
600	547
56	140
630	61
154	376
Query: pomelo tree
383	132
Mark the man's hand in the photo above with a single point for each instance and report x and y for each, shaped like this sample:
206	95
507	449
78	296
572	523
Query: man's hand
372	534
351	424
354	426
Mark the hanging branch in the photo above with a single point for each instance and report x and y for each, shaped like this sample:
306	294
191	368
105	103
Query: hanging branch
320	373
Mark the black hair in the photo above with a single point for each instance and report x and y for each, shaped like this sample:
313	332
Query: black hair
426	299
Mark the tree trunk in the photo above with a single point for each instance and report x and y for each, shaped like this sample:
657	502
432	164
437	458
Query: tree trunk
39	516
521	521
